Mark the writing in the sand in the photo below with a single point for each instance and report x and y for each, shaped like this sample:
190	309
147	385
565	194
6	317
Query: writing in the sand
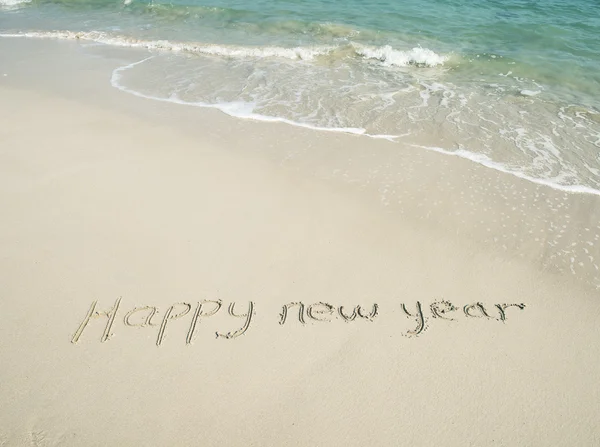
240	316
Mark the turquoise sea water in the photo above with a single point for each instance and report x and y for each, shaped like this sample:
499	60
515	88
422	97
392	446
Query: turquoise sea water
513	85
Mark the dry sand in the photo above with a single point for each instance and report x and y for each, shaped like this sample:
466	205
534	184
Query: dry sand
132	204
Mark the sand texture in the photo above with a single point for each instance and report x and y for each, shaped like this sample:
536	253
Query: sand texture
173	276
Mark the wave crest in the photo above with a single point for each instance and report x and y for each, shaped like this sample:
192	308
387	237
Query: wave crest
420	57
298	53
13	3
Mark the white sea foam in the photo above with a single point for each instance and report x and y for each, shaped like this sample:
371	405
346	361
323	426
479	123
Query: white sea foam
298	53
530	92
11	3
236	109
484	160
389	56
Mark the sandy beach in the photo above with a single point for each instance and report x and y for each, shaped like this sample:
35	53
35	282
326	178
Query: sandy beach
170	275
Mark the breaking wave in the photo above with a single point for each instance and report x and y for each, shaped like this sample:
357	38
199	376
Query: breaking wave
13	3
386	55
389	56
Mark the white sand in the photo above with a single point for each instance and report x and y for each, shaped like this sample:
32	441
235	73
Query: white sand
105	196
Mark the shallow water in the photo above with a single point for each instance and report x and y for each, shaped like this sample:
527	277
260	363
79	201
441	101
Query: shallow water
512	85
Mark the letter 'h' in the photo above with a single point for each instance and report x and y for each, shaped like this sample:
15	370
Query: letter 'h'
92	313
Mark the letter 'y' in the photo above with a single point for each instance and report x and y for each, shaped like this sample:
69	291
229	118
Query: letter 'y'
419	317
92	313
244	328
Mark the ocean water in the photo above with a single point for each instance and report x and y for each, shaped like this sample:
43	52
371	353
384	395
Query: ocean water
511	84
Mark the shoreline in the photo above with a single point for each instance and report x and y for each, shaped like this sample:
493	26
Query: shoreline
226	108
514	217
110	199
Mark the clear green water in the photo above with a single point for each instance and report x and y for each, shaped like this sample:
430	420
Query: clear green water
513	85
